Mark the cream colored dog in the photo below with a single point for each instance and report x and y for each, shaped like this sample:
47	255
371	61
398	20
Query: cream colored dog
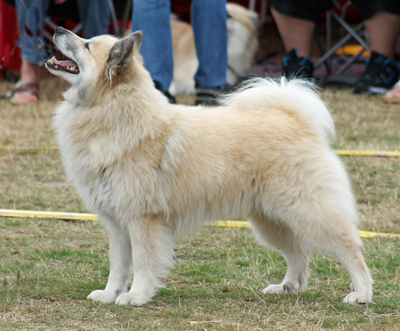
154	171
242	25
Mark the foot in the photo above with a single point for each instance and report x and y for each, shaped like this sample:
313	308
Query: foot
132	298
355	297
27	89
393	95
380	74
103	296
287	287
24	93
294	66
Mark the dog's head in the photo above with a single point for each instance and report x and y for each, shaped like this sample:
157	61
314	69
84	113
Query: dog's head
100	60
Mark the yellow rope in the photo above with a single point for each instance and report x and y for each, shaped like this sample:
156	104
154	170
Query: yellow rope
337	151
93	217
47	214
12	148
367	153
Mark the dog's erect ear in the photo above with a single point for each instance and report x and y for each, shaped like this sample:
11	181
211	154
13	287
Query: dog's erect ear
124	49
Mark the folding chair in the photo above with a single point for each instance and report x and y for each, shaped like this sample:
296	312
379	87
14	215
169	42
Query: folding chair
337	77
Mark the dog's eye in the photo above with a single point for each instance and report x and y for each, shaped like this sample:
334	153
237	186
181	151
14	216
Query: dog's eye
87	46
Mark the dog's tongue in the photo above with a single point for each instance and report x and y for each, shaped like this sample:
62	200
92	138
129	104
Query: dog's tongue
68	63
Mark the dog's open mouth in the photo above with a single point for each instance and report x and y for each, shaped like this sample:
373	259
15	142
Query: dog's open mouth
68	66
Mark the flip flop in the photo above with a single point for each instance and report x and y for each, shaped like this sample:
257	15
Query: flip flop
32	88
393	95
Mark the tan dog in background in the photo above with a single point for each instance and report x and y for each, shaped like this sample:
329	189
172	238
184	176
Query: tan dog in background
242	25
154	171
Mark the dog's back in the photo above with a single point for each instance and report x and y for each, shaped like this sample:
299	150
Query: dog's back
234	159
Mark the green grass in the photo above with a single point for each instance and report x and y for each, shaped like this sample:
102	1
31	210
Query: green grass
49	266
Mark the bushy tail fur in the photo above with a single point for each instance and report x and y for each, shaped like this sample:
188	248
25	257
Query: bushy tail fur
292	96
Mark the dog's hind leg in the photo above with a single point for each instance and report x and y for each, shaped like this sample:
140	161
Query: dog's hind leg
344	243
361	286
121	268
330	226
152	254
296	253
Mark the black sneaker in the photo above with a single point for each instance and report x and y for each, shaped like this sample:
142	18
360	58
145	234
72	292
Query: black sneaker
380	74
208	96
295	66
170	97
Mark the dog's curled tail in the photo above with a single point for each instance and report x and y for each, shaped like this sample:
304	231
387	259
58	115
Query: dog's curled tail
296	96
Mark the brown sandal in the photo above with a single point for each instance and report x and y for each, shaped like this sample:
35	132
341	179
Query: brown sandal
32	88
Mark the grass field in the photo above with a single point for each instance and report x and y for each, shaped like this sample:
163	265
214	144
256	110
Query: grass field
48	266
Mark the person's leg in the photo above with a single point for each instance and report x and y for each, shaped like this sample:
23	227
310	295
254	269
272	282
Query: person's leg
152	17
383	31
95	17
30	15
296	22
382	22
295	33
296	36
208	18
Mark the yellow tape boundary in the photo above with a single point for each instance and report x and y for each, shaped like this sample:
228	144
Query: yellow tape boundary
93	217
337	151
367	153
13	148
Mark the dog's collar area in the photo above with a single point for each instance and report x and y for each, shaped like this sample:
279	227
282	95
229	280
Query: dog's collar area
68	66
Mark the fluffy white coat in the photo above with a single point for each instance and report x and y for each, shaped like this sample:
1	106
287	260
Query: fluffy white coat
154	171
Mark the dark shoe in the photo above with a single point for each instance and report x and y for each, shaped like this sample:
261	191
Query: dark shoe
208	96
170	97
380	74
294	66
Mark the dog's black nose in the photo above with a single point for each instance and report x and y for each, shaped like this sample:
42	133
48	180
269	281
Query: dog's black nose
60	30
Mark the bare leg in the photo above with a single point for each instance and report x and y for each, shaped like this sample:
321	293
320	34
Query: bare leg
30	73
152	253
121	268
295	33
383	31
296	253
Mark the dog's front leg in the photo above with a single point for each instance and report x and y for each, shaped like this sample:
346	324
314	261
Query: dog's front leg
121	268
152	254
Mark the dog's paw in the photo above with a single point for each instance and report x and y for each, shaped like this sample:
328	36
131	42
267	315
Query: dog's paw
132	299
274	289
103	296
354	298
284	288
279	289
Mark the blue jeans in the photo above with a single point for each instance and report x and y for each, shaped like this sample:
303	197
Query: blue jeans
208	19
95	18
